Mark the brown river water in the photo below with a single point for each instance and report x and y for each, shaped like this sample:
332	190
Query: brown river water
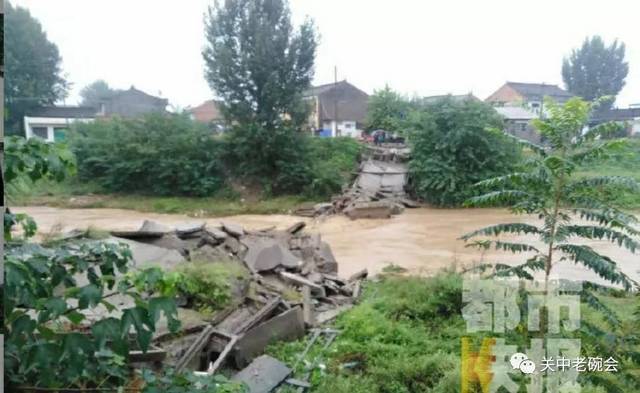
422	240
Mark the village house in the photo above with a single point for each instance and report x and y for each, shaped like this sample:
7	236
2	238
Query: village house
52	122
517	122
629	117
337	109
208	113
528	95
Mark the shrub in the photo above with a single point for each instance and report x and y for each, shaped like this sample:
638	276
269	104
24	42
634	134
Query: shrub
453	148
333	161
277	159
208	285
157	154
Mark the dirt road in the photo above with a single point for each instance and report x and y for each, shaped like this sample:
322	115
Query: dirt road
421	240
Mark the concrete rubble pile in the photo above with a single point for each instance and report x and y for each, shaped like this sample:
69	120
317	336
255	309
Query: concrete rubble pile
377	192
293	286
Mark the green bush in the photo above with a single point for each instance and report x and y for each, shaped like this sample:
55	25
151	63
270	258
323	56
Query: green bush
208	285
454	148
289	161
333	162
156	155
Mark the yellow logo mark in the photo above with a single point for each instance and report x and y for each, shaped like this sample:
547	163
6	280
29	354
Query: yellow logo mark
476	366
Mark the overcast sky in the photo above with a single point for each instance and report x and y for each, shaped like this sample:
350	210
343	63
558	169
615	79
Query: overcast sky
415	46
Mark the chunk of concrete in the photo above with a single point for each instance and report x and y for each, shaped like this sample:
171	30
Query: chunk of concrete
263	375
359	275
233	229
295	228
149	255
288	325
316	290
152	226
267	254
189	229
325	260
330	315
217	234
373	210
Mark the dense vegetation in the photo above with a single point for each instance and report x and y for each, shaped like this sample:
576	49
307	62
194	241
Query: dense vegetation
157	155
405	336
455	144
171	155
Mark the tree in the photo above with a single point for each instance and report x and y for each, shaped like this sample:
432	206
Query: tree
255	61
33	67
548	189
386	110
453	148
95	92
595	70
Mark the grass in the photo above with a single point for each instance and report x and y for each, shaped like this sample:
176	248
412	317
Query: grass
405	336
74	194
627	164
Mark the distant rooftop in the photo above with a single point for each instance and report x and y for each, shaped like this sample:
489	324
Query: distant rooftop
65	112
539	90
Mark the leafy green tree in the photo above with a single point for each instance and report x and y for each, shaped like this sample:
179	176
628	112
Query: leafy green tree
453	147
548	189
95	92
386	110
256	62
259	66
595	70
33	67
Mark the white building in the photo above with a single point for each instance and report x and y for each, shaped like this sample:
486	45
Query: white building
52	123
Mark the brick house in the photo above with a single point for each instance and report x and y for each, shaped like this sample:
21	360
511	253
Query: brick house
528	95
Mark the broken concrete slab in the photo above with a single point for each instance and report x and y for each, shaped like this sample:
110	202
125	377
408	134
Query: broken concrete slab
154	227
374	210
146	254
233	229
288	325
326	261
259	316
208	253
330	315
263	375
190	229
264	254
216	233
295	228
359	275
316	290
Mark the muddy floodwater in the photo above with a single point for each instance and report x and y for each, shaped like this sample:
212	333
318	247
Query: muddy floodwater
421	240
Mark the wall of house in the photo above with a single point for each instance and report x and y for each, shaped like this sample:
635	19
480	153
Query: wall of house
523	129
342	128
505	95
45	127
133	105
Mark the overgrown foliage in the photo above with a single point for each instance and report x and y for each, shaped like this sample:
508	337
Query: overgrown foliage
387	110
208	285
48	293
454	147
547	188
333	162
33	68
596	70
405	335
156	155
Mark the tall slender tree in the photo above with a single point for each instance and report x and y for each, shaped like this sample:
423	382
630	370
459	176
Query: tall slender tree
596	70
256	62
33	67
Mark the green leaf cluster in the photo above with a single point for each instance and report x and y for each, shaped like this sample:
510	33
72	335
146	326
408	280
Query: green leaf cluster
63	327
567	209
454	145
